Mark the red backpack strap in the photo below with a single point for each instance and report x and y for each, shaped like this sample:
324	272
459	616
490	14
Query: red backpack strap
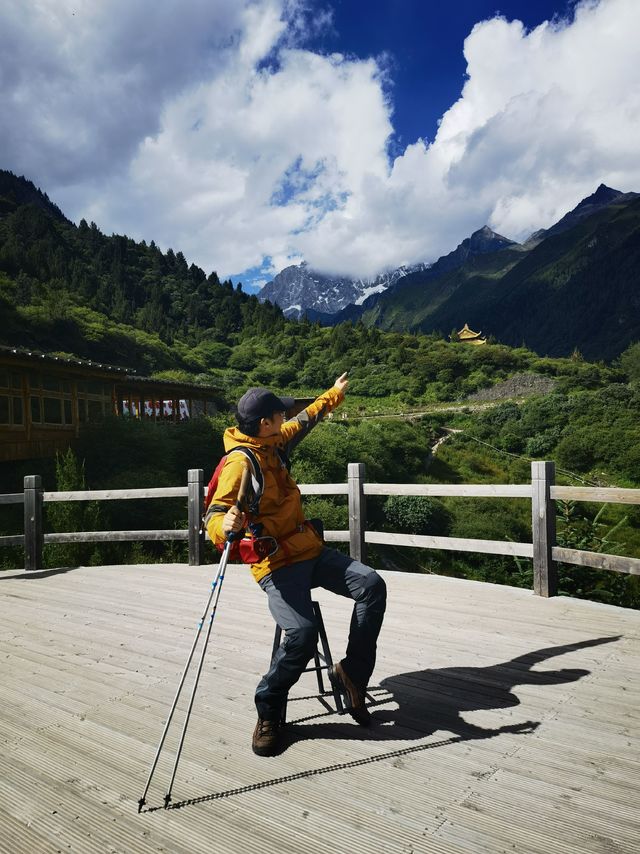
257	479
213	483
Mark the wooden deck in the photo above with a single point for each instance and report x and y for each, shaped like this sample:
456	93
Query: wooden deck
505	722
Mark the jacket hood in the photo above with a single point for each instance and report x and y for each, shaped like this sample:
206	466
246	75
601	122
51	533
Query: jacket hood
233	437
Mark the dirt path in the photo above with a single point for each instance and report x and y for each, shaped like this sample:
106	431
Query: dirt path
431	410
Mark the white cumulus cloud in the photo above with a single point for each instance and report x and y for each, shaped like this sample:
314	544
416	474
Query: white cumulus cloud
212	128
84	81
543	118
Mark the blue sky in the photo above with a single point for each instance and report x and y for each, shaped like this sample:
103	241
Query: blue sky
424	42
254	134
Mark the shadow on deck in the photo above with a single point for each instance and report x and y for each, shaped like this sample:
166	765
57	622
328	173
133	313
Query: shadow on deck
427	701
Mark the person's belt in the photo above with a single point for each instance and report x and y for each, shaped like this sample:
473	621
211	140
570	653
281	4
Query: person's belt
254	549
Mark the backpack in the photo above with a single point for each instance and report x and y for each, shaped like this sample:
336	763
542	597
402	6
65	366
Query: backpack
257	480
251	547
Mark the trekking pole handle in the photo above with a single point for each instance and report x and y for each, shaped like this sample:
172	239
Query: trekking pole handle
245	483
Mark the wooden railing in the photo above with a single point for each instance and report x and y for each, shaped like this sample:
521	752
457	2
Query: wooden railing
542	492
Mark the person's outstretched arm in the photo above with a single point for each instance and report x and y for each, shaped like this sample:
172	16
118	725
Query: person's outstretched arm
295	429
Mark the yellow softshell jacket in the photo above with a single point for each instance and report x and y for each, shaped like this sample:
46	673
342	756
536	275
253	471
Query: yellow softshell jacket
280	505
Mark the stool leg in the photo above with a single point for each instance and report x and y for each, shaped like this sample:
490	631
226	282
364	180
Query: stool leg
326	654
322	640
318	669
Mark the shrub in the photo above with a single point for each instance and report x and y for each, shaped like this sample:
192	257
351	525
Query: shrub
71	515
416	514
577	451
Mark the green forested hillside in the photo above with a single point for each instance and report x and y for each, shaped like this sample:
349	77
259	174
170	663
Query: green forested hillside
575	289
418	299
74	289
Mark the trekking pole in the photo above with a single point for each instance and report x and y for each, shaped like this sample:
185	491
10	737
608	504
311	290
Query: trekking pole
216	587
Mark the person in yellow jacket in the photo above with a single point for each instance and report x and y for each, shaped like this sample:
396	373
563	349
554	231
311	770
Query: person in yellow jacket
300	562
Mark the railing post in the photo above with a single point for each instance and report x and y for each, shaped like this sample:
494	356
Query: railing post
196	508
543	527
357	512
33	530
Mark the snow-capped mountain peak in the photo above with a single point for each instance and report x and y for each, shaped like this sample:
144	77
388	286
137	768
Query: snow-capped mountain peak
298	288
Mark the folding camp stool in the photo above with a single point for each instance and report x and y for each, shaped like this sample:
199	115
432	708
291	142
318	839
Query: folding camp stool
322	660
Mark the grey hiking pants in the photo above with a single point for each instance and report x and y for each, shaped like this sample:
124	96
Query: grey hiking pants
289	591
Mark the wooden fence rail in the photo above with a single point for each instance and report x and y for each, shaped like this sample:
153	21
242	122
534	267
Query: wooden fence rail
542	493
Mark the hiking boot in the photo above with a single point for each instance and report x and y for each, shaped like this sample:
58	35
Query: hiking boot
266	738
354	696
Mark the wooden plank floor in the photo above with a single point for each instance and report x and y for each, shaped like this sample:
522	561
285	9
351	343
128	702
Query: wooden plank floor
504	722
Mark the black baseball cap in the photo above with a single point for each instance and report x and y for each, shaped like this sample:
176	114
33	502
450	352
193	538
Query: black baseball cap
261	403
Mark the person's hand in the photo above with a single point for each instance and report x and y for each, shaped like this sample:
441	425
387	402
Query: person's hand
234	521
341	383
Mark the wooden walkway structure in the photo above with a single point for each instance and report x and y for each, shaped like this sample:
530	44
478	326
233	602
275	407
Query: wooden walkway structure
505	722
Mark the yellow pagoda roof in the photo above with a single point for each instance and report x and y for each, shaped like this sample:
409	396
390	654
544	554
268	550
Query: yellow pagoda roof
470	337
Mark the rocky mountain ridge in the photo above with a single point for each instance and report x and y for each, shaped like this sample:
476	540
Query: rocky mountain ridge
482	242
573	288
298	288
602	198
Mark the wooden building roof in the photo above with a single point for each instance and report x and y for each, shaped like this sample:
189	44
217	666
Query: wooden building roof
122	377
23	358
